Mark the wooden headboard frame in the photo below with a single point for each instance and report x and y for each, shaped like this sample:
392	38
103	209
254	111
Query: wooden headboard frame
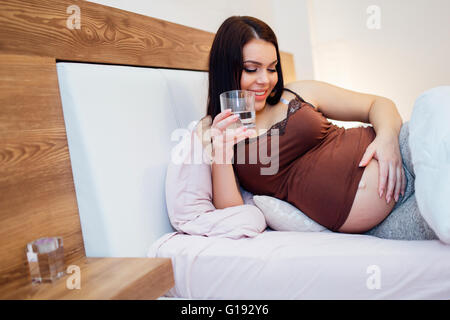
37	194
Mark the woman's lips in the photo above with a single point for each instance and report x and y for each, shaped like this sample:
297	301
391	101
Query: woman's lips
260	97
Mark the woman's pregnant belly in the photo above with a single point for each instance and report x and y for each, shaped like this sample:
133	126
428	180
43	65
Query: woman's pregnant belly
368	208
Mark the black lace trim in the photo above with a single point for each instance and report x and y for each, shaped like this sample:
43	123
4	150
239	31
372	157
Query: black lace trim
294	105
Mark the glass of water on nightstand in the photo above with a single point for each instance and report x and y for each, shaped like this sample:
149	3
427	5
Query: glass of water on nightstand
46	259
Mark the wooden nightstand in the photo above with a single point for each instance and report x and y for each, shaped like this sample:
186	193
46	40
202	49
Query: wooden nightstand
105	279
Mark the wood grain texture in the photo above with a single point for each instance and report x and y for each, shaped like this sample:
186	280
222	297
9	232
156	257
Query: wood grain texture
107	35
37	195
106	279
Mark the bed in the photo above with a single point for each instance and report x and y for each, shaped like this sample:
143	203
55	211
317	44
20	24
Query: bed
121	190
305	265
116	96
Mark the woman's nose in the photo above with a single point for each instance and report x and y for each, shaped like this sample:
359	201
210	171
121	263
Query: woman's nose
263	77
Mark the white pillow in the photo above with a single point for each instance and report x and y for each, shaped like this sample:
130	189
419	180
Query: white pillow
429	141
282	216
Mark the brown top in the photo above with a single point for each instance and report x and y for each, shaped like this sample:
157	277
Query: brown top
317	168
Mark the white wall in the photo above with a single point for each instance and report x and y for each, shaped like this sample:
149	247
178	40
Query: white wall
331	41
288	19
291	25
406	56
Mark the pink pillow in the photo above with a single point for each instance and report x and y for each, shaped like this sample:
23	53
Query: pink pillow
189	197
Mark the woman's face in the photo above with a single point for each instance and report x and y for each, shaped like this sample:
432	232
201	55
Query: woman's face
259	74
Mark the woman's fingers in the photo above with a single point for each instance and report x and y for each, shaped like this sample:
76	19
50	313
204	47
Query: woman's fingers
221	122
224	119
403	182
398	183
231	135
225	142
391	183
394	177
221	116
383	175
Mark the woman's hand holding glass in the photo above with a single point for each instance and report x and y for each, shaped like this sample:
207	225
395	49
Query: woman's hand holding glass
224	138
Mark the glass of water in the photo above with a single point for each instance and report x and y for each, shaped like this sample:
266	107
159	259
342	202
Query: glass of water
241	103
46	259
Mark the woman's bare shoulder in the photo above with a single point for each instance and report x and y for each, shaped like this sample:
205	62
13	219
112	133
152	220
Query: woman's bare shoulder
305	89
300	84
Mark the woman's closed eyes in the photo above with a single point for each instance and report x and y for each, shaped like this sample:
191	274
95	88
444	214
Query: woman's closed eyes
254	70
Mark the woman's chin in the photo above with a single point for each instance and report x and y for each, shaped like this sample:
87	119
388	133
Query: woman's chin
259	106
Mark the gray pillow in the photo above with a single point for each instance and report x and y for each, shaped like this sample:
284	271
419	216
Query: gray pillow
282	216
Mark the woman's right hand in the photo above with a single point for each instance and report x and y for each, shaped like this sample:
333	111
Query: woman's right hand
224	138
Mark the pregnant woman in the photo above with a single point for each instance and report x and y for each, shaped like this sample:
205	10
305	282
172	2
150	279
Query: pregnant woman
348	180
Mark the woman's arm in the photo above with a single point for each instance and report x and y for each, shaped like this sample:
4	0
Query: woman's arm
347	105
224	187
384	117
225	190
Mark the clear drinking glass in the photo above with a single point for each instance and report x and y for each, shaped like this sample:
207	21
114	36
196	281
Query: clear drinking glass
241	103
46	259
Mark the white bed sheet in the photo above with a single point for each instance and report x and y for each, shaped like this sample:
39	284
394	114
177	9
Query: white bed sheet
307	265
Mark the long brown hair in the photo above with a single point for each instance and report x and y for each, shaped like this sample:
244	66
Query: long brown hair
226	58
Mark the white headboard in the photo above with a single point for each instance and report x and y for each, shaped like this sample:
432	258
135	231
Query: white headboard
119	122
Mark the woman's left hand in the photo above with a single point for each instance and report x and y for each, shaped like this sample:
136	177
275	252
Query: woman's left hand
386	150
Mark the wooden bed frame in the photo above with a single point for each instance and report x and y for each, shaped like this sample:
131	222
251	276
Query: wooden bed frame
37	194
